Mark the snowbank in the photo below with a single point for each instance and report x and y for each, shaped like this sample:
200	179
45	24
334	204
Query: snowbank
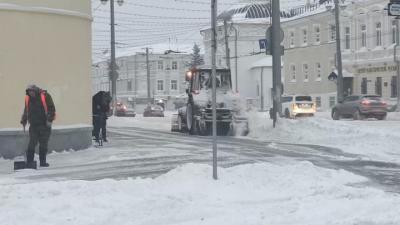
286	193
376	140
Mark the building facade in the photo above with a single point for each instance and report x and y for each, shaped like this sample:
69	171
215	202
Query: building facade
251	67
167	78
309	57
47	43
369	40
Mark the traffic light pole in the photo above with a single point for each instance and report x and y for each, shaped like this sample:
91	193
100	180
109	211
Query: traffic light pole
276	60
338	54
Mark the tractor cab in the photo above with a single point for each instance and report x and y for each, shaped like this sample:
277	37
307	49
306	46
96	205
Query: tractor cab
201	79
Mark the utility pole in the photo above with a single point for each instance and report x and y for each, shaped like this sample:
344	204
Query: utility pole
113	65
148	76
276	59
262	88
338	54
114	73
397	62
214	81
227	51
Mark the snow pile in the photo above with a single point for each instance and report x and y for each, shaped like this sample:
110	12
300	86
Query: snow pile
287	193
154	123
378	140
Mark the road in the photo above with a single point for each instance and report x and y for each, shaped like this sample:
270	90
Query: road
134	152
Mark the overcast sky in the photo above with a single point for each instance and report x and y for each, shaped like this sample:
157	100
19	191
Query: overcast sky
142	23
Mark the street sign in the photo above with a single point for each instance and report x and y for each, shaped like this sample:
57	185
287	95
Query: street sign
269	51
268	35
394	9
263	43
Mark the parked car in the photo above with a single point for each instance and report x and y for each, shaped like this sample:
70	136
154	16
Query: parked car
298	105
153	111
359	107
122	110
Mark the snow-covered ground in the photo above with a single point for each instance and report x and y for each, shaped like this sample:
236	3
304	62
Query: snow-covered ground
373	139
287	192
282	192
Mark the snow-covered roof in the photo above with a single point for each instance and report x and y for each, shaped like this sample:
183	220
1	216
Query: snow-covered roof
264	62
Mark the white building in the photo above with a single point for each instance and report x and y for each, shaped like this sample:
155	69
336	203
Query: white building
167	77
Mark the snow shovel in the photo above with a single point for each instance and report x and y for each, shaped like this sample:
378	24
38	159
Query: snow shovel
19	165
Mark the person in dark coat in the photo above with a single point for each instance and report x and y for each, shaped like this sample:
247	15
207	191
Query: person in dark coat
100	109
40	112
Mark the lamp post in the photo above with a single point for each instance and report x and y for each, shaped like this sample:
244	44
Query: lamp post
113	65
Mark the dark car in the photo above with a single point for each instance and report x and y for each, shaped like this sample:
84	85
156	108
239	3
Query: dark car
359	107
153	111
123	110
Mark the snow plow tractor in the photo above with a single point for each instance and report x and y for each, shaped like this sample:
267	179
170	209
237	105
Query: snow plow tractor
196	116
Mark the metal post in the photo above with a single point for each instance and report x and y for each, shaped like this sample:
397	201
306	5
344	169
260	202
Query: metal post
114	73
397	62
338	54
276	59
148	76
236	58
214	86
262	89
227	51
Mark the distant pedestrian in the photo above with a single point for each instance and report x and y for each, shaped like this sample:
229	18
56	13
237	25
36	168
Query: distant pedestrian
40	112
100	109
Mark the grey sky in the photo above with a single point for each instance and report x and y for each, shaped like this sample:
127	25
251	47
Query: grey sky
148	22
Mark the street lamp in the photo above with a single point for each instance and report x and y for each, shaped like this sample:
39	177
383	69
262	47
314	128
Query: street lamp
113	66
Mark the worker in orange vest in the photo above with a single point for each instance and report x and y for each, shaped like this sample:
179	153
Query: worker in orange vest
40	112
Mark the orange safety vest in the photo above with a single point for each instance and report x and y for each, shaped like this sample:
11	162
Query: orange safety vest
43	100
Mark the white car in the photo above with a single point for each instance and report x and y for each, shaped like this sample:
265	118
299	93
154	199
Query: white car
298	105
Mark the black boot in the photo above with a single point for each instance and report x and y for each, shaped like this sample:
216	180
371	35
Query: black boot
43	163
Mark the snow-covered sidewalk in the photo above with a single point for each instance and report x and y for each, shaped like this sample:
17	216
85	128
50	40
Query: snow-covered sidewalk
287	192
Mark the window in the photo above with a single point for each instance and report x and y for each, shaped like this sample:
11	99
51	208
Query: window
363	35
174	65
160	85
293	72
332	101
364	86
393	85
129	84
379	34
305	72
394	29
317	34
160	65
347	37
332	29
292	39
378	86
304	36
174	85
287	99
318	101
318	71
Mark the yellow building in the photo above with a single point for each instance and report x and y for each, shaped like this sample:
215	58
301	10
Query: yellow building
47	43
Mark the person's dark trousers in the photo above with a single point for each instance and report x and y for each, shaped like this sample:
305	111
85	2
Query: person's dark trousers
41	134
97	121
104	128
